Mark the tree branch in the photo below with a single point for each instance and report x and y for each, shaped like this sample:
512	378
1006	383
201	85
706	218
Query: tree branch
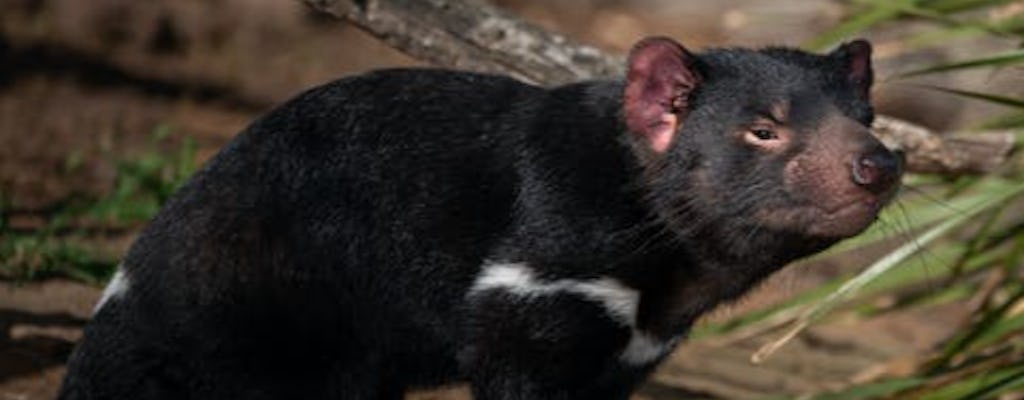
474	35
953	154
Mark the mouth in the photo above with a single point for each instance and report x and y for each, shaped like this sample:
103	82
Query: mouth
811	219
845	221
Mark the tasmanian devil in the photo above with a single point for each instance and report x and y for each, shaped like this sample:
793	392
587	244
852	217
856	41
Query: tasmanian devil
410	228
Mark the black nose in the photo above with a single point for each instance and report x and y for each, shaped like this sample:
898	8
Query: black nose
878	170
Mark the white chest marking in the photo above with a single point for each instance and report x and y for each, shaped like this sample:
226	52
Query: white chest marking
118	286
618	300
644	348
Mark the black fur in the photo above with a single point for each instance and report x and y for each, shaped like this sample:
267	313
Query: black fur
328	251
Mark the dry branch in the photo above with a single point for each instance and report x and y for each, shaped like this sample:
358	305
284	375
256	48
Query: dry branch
950	154
474	35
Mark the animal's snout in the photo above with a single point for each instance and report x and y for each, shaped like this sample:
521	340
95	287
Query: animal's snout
877	170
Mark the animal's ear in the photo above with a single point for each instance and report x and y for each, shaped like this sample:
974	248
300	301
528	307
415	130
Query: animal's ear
855	56
661	77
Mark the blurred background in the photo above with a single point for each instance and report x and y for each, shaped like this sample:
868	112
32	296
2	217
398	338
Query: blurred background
106	106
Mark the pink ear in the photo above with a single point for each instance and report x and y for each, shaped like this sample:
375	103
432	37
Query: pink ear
857	56
658	85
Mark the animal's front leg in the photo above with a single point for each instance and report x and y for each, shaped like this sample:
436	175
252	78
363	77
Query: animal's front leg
532	338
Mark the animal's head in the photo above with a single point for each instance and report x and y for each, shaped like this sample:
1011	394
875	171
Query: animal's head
774	141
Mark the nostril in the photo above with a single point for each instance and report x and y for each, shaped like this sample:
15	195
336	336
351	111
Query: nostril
865	171
878	170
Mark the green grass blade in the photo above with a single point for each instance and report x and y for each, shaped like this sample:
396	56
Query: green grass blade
996	60
955	6
881	266
990	322
853	285
993	29
876	13
906	215
992	98
1012	120
916	210
1000	330
1010	382
955	29
981	385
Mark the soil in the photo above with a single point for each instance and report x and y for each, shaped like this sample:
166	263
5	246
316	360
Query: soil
84	80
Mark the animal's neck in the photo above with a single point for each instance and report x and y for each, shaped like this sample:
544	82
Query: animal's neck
686	276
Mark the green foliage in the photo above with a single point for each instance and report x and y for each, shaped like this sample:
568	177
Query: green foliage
65	245
955	18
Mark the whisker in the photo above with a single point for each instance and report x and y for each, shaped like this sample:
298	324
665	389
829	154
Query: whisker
923	253
936	200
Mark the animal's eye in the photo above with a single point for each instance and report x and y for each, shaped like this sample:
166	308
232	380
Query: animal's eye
764	134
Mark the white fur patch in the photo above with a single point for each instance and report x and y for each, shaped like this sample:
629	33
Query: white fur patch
644	348
618	300
117	287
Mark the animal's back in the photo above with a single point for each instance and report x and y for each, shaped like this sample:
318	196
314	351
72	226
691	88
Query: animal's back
296	256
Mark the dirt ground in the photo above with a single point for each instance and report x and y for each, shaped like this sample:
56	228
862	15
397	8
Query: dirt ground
86	79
